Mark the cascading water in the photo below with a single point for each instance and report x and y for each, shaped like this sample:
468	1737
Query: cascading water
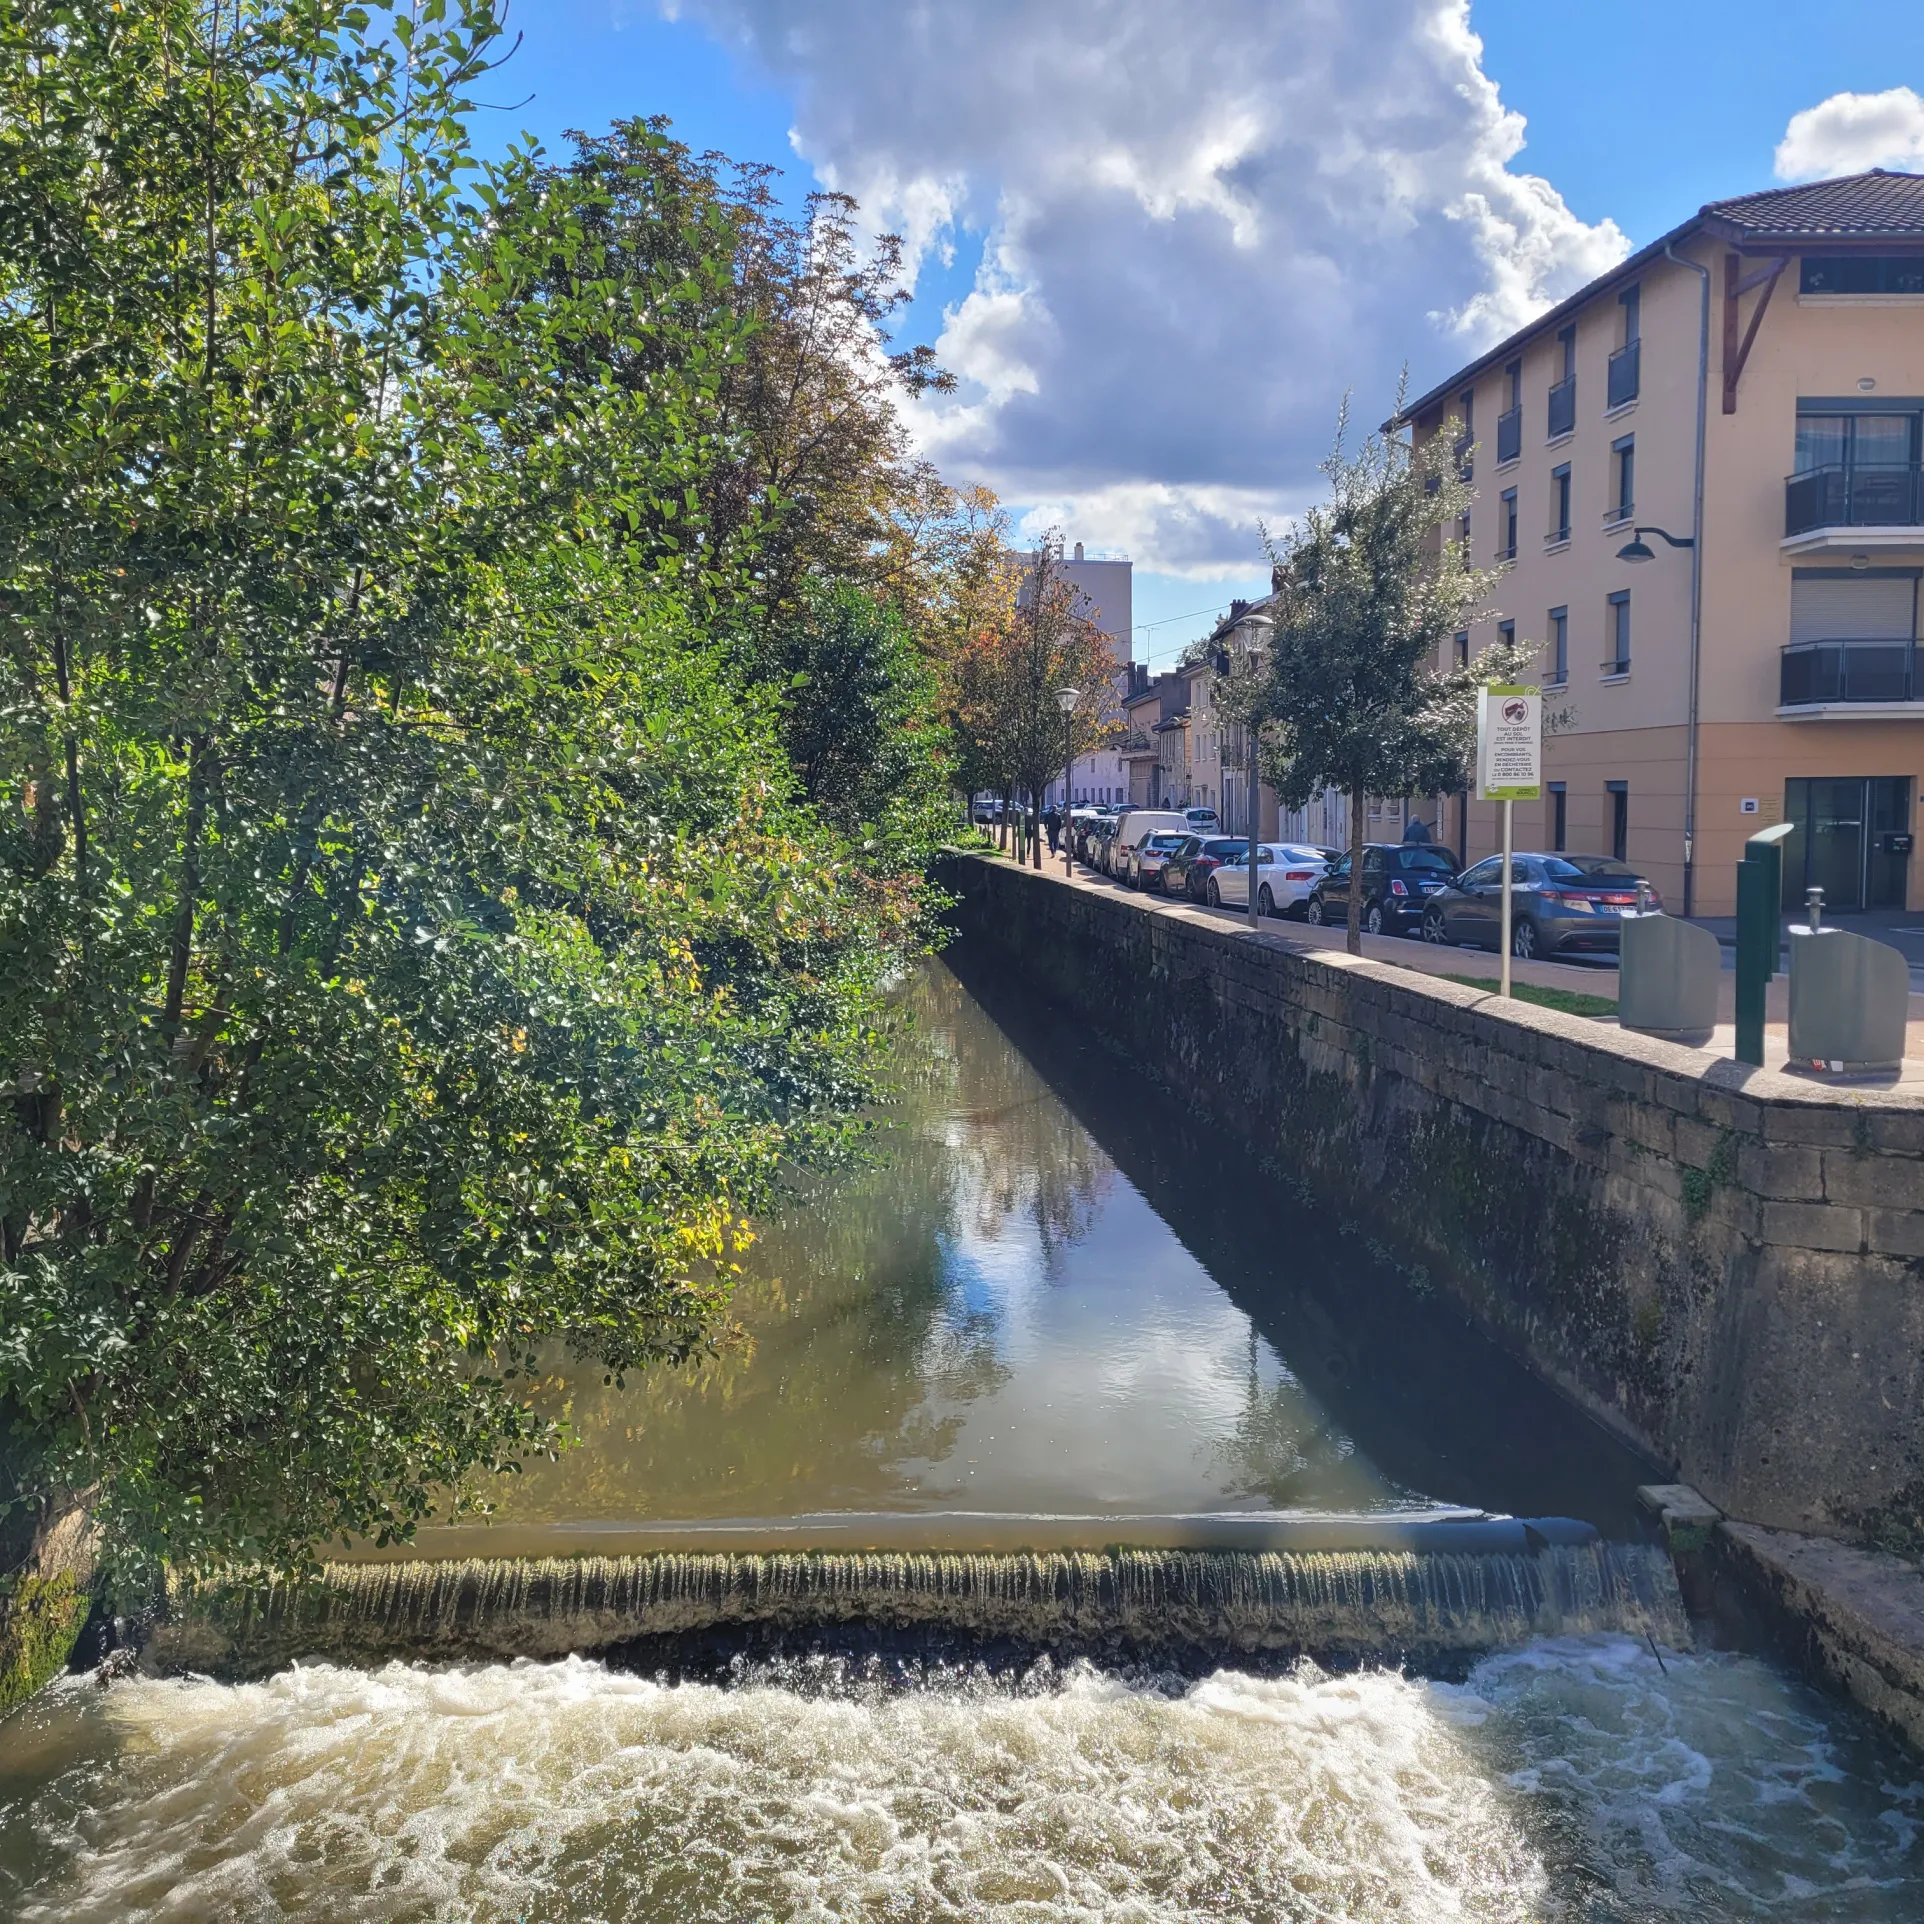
1409	1606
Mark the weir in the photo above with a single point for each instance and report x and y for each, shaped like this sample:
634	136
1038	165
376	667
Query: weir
1418	1607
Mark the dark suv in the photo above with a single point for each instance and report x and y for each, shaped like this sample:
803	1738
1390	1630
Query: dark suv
1398	880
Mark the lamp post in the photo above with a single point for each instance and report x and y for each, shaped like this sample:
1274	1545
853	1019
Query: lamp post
1066	699
1637	549
1250	792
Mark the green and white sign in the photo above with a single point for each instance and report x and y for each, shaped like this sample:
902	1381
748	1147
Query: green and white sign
1509	743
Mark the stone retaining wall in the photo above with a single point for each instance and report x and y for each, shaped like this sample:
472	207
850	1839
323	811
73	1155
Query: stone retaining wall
1726	1266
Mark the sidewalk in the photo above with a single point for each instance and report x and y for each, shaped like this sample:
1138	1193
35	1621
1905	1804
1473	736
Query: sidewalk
1903	929
1483	965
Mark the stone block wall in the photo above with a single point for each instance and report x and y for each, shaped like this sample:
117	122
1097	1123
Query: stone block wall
1726	1266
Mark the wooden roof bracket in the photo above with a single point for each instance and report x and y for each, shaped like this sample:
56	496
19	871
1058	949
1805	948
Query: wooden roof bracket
1736	285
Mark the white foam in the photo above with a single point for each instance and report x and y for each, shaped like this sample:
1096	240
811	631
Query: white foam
568	1791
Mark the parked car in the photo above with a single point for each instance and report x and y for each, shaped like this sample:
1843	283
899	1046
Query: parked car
1190	867
1095	841
1149	858
1286	872
1398	880
1560	904
1135	828
1202	820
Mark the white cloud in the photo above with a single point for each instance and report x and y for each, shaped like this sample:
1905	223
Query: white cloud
1199	226
1851	133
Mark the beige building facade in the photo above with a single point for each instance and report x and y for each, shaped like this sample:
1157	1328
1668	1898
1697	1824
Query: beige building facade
1752	388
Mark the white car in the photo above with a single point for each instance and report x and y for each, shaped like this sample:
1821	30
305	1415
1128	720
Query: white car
1285	874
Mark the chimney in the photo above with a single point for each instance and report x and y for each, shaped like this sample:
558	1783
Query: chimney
1237	610
1078	550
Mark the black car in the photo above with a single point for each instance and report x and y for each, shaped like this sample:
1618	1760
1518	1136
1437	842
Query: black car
1560	904
1399	879
1187	872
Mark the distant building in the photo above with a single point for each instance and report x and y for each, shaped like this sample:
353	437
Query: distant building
1105	596
1787	327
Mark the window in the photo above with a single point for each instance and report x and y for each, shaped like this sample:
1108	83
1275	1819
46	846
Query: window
1506	516
1559	817
1463	528
1560	503
1506	634
1853	470
1559	644
1619	793
1466	404
1619	633
1509	424
1623	479
1563	395
1485	875
1862	274
1463	648
1621	389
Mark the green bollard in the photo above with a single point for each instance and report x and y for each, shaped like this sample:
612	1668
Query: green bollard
1760	894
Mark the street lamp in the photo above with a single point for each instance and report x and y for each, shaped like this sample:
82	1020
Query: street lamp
1066	699
1249	782
1637	549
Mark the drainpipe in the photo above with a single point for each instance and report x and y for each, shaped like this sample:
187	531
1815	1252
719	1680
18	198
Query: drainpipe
1696	585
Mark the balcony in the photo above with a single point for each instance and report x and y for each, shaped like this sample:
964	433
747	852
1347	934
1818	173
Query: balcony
1509	436
1625	365
1870	676
1854	495
1137	742
1563	407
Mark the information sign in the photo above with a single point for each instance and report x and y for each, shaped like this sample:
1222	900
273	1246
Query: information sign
1509	743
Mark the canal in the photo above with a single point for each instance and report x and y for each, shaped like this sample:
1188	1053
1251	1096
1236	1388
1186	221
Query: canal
1051	1301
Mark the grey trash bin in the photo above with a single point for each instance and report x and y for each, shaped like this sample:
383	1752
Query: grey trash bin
1667	981
1849	1000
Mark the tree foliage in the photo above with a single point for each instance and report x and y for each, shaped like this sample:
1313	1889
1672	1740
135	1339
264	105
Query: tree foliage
1371	589
425	925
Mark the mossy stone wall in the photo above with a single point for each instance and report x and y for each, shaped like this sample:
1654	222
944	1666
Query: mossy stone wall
1724	1265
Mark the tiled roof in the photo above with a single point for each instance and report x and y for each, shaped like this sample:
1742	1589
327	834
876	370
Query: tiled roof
1857	212
1873	206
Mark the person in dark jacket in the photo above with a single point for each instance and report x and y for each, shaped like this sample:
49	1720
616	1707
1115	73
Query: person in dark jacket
1415	831
1052	825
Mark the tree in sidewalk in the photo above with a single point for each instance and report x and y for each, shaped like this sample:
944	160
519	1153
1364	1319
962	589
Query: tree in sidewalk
1022	637
1371	588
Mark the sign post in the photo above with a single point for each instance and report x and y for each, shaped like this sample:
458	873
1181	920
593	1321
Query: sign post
1509	769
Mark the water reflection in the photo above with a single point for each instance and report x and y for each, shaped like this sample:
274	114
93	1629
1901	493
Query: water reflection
1053	1293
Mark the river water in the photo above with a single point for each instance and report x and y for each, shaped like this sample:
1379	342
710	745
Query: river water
1050	1295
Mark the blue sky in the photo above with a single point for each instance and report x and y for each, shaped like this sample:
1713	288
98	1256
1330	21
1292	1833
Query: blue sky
1147	228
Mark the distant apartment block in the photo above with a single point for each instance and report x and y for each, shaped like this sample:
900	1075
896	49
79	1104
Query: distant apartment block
1105	596
1784	331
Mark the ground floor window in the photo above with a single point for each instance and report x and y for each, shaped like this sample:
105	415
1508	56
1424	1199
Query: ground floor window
1619	793
1850	837
1559	820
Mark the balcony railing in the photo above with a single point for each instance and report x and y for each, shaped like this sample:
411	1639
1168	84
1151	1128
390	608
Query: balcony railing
1509	435
1624	373
1137	742
1852	495
1563	407
1819	671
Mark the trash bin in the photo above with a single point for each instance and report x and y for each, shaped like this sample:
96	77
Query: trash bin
1849	1000
1668	976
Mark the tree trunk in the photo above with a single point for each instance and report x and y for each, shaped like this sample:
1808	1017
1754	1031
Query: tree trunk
1355	941
1035	831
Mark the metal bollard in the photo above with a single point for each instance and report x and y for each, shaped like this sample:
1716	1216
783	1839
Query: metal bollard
1760	892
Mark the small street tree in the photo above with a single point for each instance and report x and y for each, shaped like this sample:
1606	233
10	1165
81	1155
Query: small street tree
1371	587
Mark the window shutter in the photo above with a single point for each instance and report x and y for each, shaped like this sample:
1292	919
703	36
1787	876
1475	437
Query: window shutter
1844	607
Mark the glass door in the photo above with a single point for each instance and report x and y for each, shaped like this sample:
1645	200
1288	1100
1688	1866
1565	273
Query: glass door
1840	841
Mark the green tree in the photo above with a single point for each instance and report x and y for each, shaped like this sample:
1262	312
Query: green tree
414	944
1371	587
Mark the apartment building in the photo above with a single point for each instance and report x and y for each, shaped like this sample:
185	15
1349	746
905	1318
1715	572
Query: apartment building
1701	474
1105	596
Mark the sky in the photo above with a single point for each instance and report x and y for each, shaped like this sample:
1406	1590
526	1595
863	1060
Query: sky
1159	240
